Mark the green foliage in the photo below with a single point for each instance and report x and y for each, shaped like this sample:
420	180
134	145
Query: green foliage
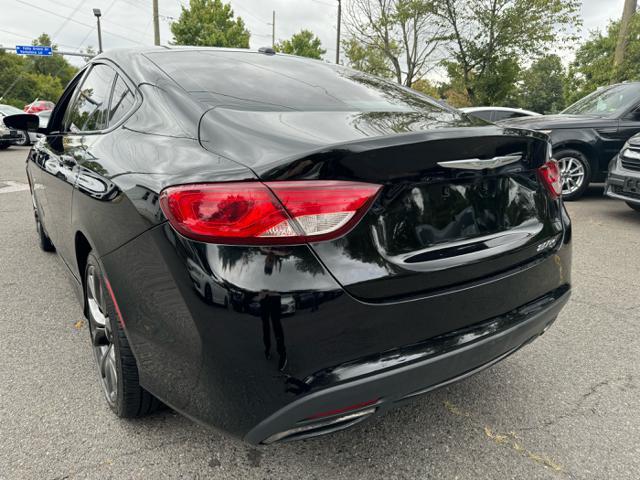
23	79
542	86
54	66
210	23
425	86
593	64
489	37
304	44
367	58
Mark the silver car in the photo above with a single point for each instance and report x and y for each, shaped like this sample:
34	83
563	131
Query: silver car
24	138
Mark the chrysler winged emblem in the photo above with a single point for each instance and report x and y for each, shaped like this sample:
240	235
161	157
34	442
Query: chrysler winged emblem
478	164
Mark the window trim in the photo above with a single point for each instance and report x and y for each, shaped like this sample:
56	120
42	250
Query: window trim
137	95
137	99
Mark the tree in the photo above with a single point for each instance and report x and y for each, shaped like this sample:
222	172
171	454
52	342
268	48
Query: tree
542	86
594	60
406	32
425	86
627	14
303	44
210	23
367	58
54	66
488	37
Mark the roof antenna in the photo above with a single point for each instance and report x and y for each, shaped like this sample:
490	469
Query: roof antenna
267	50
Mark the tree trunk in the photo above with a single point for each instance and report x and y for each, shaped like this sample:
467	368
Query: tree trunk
627	13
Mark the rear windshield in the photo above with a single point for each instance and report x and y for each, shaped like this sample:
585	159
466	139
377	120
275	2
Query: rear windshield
607	101
277	82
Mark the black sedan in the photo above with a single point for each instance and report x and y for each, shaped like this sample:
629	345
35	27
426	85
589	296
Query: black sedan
282	248
589	133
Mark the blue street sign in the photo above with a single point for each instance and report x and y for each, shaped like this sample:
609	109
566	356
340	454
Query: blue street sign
34	50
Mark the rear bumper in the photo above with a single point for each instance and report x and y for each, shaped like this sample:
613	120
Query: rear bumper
615	182
447	359
220	363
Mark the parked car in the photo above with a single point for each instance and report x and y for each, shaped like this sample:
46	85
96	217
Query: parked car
495	114
38	106
23	138
623	181
589	133
428	245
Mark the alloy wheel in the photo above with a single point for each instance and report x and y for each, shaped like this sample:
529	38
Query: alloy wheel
573	173
23	138
101	335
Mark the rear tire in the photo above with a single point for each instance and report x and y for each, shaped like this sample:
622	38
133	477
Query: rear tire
634	206
117	367
4	146
576	172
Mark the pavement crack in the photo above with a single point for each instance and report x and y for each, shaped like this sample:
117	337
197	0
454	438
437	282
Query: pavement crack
578	407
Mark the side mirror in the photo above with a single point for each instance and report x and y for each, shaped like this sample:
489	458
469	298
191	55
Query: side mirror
23	121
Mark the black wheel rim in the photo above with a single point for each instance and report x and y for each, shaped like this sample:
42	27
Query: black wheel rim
101	335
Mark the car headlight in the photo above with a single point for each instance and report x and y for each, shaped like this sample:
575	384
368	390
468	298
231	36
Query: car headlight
3	127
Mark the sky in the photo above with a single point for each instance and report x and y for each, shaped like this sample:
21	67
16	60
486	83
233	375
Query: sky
127	23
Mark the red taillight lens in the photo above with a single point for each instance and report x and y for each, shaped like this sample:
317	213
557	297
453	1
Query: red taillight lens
252	213
551	177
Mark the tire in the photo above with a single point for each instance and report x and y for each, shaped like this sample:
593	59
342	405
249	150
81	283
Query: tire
24	139
634	206
4	146
576	173
43	239
116	365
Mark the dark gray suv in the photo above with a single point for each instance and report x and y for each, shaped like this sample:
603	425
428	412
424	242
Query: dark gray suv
623	181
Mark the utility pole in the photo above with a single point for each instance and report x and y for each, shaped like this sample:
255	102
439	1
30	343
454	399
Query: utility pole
156	24
273	31
627	13
98	14
338	40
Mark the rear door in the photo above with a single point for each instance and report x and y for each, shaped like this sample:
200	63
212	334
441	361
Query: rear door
86	116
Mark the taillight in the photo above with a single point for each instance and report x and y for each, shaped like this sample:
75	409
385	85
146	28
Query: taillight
551	177
254	213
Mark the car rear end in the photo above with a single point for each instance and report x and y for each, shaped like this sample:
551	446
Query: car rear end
623	180
373	246
401	267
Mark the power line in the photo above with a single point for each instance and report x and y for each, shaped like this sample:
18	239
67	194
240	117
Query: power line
31	38
64	24
246	10
51	12
324	3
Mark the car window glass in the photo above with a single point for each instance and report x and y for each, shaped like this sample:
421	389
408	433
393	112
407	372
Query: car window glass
482	114
90	107
606	101
121	102
280	82
503	115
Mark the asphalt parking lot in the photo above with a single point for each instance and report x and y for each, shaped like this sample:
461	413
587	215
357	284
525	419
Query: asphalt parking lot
566	406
